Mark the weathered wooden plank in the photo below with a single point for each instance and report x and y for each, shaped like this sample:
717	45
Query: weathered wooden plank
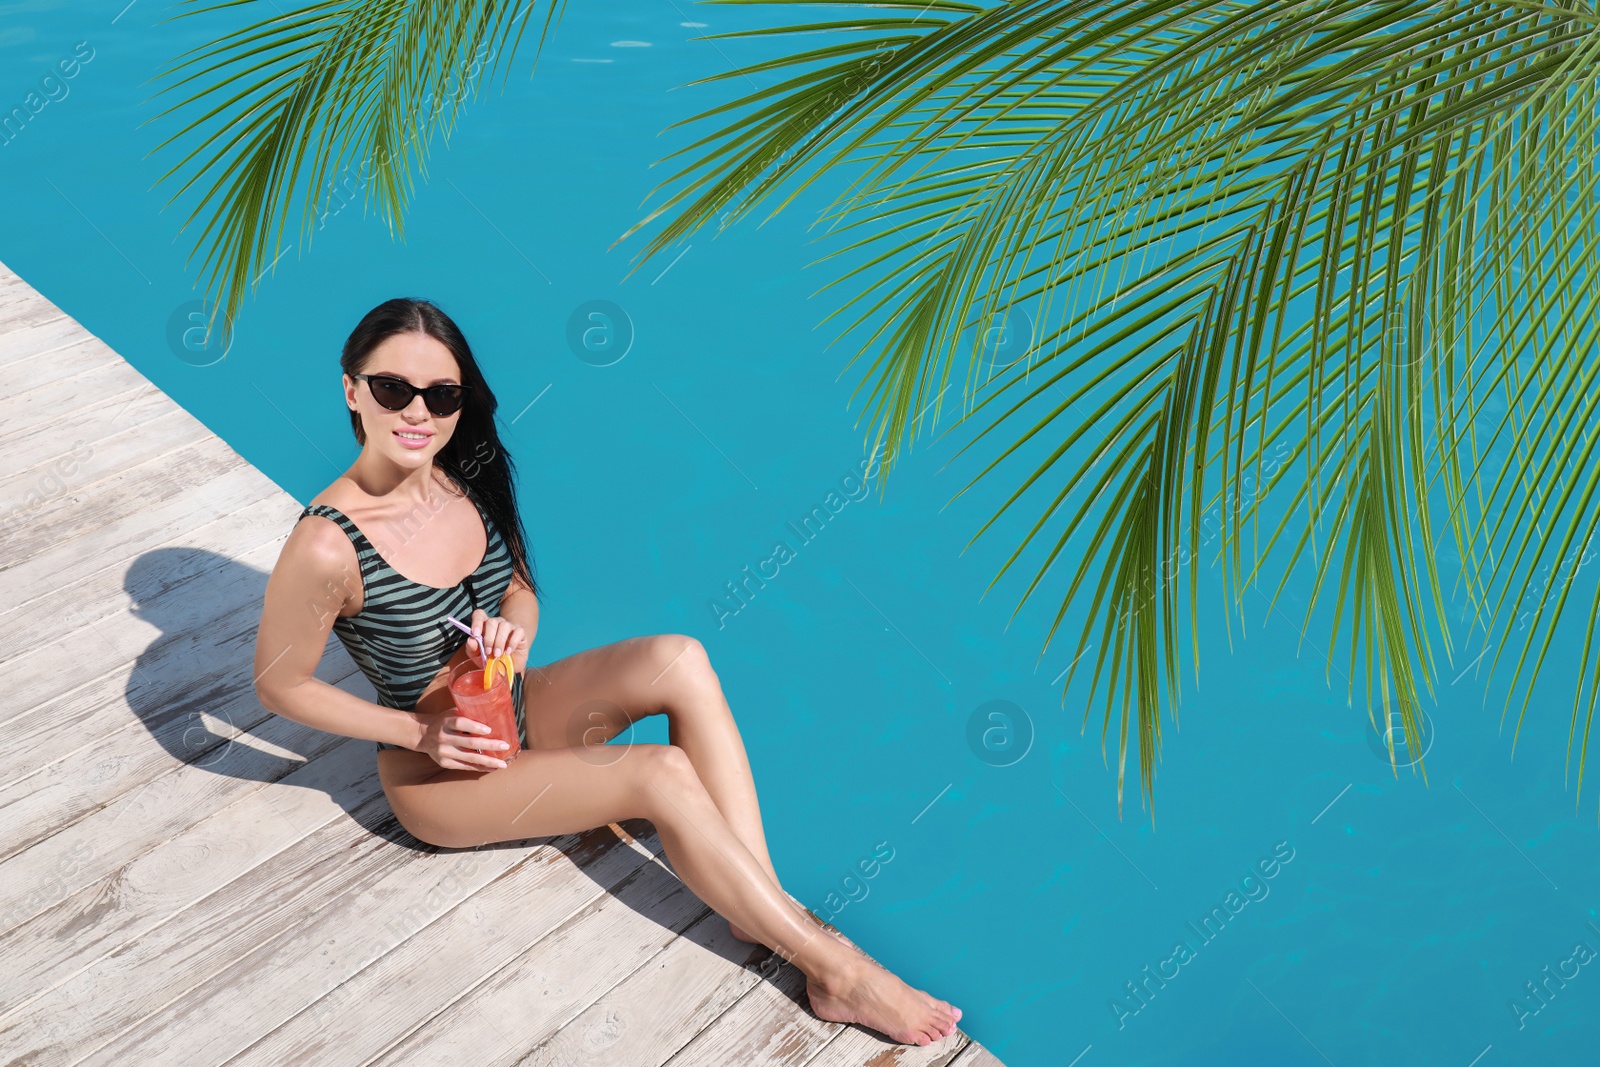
78	356
11	284
179	589
171	959
428	973
135	897
38	805
45	792
857	1046
224	561
34	332
73	402
772	1024
527	1000
18	341
73	459
70	444
178	677
138	511
23	303
18	298
648	1016
94	848
349	929
975	1055
100	489
20	306
197	659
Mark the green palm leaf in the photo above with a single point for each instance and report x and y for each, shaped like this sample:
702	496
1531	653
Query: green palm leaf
281	104
1264	225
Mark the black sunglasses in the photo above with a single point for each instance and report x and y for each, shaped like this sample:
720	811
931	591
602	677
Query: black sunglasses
396	393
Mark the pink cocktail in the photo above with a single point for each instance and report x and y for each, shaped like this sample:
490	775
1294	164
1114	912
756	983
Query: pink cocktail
491	706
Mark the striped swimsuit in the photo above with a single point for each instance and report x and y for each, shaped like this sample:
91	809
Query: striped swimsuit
400	638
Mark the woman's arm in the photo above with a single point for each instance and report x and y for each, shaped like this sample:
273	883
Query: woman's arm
518	608
521	607
311	583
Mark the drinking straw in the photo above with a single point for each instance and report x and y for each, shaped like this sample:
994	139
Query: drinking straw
469	631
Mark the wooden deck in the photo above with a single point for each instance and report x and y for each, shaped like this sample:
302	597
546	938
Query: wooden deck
186	878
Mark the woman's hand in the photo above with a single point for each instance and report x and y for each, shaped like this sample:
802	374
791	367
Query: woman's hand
499	636
452	740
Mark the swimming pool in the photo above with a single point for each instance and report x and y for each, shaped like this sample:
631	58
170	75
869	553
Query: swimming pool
1294	903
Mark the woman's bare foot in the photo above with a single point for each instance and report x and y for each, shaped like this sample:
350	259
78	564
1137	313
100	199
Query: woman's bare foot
875	998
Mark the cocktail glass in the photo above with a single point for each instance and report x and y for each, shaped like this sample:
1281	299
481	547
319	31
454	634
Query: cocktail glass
491	706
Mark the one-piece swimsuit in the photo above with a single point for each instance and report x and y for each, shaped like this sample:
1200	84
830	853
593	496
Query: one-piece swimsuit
400	638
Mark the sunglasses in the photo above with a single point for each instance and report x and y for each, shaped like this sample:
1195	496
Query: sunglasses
396	393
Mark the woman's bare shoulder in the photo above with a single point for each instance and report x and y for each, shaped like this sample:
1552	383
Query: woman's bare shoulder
317	546
336	494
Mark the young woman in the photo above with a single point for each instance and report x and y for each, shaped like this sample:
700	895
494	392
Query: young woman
433	489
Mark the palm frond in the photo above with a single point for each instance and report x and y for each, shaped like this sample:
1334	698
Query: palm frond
279	105
1267	228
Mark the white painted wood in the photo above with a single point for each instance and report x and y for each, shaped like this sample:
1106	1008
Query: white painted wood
171	961
140	511
975	1055
68	941
80	459
224	561
22	304
18	341
28	309
648	1016
41	368
771	1024
854	1046
179	676
425	976
95	848
531	998
11	287
293	956
137	417
75	401
35	806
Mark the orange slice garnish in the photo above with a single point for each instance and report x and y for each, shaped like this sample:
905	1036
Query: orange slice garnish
501	661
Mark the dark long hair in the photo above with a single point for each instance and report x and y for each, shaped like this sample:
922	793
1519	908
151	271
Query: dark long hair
474	458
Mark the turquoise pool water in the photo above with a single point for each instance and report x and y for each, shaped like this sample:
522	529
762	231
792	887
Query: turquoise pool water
1355	918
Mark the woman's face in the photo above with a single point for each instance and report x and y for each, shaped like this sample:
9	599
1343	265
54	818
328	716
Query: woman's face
412	436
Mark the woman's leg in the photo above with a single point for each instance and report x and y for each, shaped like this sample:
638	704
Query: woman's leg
555	791
592	696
